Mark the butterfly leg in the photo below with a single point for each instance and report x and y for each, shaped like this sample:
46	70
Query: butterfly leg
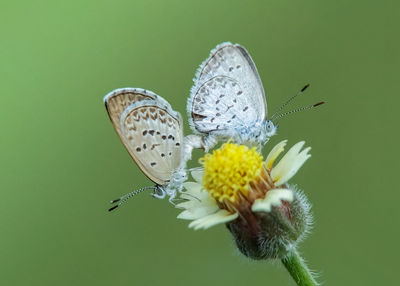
171	199
190	142
209	142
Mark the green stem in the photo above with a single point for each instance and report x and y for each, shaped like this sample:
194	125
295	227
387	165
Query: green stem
298	269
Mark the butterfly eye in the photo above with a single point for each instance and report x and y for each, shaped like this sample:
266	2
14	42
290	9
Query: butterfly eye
269	126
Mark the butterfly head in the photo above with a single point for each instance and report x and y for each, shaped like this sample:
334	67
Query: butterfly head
259	134
178	177
269	129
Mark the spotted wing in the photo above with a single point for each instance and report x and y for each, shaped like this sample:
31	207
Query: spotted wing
119	99
227	91
152	133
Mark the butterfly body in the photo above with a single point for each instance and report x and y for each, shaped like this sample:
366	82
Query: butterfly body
258	131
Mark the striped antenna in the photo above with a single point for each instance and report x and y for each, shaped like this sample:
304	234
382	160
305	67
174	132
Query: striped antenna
297	110
126	197
289	100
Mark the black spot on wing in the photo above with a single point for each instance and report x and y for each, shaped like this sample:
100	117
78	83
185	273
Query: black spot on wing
154	146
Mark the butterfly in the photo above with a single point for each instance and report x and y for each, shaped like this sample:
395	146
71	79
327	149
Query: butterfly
152	132
227	100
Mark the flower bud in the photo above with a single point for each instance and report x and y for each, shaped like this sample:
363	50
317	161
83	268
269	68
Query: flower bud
263	235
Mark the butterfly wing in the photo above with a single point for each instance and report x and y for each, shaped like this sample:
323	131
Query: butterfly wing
119	99
152	133
227	91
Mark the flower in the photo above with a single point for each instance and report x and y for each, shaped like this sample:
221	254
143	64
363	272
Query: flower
265	215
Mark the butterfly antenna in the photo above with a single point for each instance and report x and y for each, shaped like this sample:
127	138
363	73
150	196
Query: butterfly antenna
126	197
289	100
297	110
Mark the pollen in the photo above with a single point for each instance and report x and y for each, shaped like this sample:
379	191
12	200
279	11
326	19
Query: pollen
230	170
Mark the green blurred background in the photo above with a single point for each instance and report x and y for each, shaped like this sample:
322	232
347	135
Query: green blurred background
61	161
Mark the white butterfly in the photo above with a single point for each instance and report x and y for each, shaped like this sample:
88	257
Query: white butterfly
153	135
227	100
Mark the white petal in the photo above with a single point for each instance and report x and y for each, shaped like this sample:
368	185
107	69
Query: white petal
195	202
195	193
219	217
198	175
190	203
195	190
199	212
272	199
192	188
290	164
198	202
278	149
294	167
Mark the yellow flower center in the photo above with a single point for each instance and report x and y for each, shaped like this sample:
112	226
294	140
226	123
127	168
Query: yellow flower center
229	170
